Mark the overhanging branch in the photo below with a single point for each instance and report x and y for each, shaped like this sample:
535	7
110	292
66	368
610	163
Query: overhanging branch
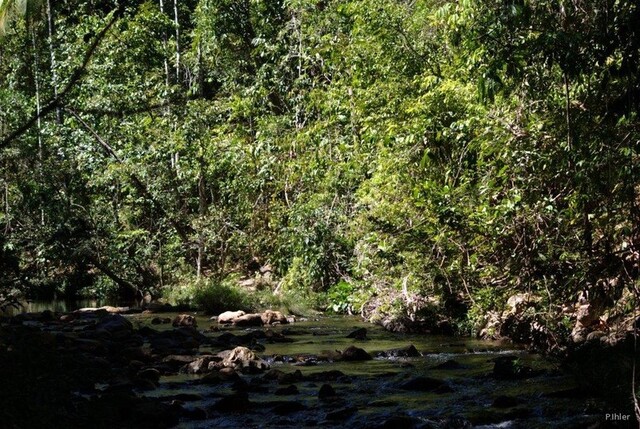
73	80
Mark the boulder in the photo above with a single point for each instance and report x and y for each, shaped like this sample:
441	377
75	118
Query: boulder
358	334
508	368
242	359
408	351
200	365
353	353
518	303
254	319
327	393
229	316
113	324
185	320
270	317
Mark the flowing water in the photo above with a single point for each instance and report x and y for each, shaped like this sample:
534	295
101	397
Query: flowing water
369	393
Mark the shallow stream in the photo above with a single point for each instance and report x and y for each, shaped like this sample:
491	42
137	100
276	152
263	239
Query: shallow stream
371	393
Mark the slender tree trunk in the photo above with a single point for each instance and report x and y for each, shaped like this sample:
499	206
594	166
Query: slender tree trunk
39	121
164	46
567	96
52	54
177	25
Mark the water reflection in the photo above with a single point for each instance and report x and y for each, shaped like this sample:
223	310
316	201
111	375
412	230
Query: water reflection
58	306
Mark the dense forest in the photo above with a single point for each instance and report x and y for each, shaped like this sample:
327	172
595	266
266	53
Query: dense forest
432	165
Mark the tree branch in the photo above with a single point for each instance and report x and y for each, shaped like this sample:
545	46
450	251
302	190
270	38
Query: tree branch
57	101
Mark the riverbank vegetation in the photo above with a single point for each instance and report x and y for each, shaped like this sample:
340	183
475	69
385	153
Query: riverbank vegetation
460	166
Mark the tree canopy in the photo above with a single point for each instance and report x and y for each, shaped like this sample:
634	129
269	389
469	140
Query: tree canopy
392	157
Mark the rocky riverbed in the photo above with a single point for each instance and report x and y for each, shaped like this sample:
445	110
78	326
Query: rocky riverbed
164	369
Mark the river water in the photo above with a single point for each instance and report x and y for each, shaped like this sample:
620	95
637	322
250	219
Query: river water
374	393
372	389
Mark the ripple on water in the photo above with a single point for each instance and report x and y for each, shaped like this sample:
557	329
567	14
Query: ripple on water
373	387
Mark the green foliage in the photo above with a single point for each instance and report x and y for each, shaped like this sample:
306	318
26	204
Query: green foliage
424	156
214	297
343	298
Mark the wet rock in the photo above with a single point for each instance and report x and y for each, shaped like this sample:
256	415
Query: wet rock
291	377
185	320
426	384
150	374
275	337
105	309
114	324
508	368
449	365
244	360
223	376
270	317
327	393
504	401
342	414
154	414
228	316
200	365
358	334
289	390
408	351
323	376
237	402
282	408
353	353
229	339
248	320
147	332
160	320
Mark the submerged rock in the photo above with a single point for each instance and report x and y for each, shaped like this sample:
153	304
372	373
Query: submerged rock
408	351
426	384
358	334
449	365
353	353
289	390
185	320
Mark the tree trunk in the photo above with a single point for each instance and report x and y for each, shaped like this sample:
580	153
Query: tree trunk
127	289
36	77
177	24
52	54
